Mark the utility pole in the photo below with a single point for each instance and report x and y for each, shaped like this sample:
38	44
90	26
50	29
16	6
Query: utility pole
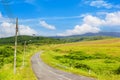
15	51
24	53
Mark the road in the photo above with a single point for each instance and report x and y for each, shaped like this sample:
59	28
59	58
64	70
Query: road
45	72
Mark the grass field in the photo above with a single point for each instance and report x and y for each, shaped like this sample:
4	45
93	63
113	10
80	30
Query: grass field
22	73
99	59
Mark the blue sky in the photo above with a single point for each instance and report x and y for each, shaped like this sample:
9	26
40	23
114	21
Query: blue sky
59	17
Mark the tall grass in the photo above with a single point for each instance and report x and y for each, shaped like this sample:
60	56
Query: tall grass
99	59
22	73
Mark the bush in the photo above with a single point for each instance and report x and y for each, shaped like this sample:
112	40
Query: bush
118	70
81	66
6	55
7	51
79	55
109	61
1	61
57	50
99	55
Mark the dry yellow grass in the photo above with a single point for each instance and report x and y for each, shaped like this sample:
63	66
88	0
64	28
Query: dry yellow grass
101	67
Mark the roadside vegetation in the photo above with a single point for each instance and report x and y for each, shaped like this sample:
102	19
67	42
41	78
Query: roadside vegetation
7	56
99	59
6	63
85	57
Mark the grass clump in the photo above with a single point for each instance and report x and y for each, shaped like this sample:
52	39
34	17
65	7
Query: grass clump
117	71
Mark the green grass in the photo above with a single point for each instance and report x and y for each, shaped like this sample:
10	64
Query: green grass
99	59
22	73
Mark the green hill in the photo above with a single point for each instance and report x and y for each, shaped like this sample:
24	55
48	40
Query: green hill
84	38
30	39
39	40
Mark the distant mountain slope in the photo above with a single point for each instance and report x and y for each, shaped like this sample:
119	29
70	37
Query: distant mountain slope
112	34
89	36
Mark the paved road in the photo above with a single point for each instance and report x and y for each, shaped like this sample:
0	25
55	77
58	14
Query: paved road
45	72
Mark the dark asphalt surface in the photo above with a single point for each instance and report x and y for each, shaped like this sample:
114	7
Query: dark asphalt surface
45	72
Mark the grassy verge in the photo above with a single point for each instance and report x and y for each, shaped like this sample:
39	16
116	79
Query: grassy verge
99	59
23	73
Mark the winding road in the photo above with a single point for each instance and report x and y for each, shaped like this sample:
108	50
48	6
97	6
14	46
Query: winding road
45	72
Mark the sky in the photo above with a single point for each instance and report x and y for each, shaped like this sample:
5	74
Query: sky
59	17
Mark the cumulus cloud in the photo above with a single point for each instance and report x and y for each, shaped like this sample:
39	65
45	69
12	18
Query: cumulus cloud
92	24
47	26
80	29
8	29
26	30
113	19
93	21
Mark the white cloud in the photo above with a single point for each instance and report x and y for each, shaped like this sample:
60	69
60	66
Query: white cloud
93	21
80	29
46	25
8	29
100	3
92	24
113	19
26	30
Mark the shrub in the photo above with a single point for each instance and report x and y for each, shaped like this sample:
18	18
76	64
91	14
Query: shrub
79	55
57	50
6	55
7	51
81	66
109	61
99	55
118	70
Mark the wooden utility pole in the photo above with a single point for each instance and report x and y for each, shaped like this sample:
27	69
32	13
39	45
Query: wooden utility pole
24	53
16	33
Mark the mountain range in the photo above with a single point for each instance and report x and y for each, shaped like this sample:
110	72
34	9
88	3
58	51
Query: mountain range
110	34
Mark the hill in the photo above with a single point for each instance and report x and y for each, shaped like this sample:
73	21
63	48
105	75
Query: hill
99	59
84	38
30	39
39	40
89	36
110	34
